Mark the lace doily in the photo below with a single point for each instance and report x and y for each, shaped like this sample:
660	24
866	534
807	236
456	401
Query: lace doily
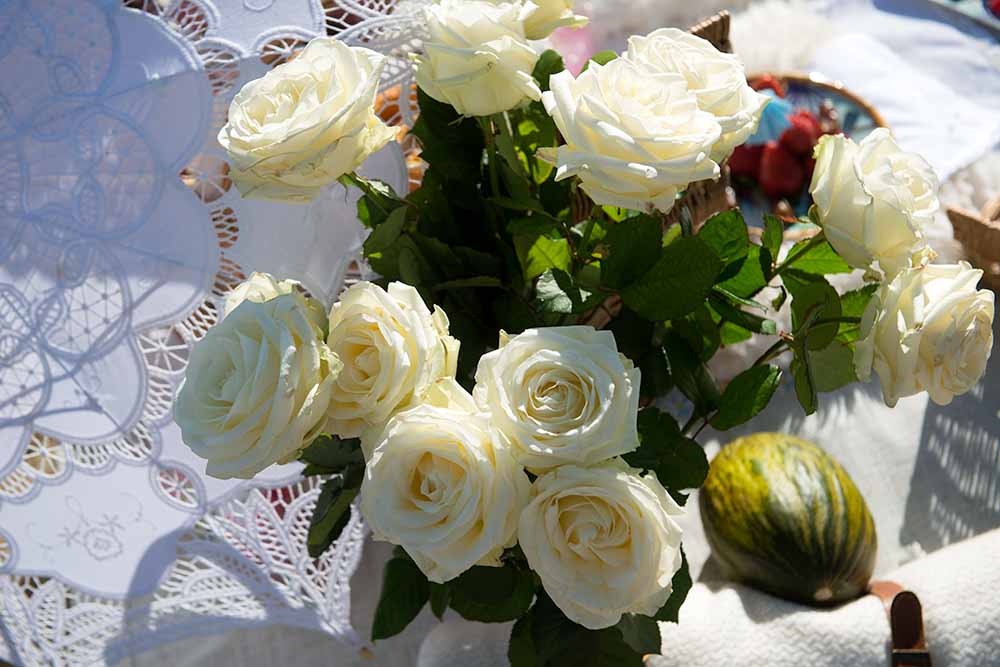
120	234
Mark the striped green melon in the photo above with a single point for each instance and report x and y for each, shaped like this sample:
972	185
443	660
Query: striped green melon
782	516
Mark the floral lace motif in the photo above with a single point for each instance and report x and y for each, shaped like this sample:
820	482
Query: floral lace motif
120	235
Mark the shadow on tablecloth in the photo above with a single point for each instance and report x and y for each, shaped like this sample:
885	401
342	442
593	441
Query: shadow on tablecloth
955	488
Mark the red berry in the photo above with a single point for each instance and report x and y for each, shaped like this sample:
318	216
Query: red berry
745	161
803	134
781	173
767	81
995	7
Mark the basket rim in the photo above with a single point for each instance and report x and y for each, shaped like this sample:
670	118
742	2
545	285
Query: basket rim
822	81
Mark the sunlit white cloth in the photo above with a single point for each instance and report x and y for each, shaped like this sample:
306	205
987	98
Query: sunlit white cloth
722	624
120	233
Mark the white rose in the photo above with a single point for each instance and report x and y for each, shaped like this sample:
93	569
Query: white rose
439	485
604	541
927	330
717	79
393	350
476	57
561	395
305	123
259	287
257	387
873	200
635	138
548	15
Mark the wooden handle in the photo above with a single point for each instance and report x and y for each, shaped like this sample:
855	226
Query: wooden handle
906	620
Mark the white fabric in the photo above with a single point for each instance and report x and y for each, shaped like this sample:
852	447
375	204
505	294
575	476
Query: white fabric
120	234
723	624
726	624
959	130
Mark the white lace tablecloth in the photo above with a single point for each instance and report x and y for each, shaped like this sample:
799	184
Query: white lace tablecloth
120	233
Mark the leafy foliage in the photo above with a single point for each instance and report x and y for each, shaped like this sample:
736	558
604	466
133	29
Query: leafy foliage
746	395
333	509
679	589
544	637
405	591
678	283
679	462
492	594
499	243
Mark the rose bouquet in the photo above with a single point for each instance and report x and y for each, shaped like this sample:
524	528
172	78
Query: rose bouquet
512	451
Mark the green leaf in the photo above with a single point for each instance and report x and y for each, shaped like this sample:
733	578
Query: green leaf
412	266
333	509
312	470
535	129
601	58
515	179
405	591
749	321
691	375
492	594
821	259
700	330
731	334
538	254
633	334
451	144
377	199
546	638
679	462
618	214
779	301
854	304
811	303
536	225
726	234
462	283
832	367
508	151
681	586
678	282
555	196
331	452
386	233
739	300
655	369
751	277
441	258
746	396
805	386
641	633
774	231
521	652
440	594
557	292
549	63
633	246
519	204
795	281
477	262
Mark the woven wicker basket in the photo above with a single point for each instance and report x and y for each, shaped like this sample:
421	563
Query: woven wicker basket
979	234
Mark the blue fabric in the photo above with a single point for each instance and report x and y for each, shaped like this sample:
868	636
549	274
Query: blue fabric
774	121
